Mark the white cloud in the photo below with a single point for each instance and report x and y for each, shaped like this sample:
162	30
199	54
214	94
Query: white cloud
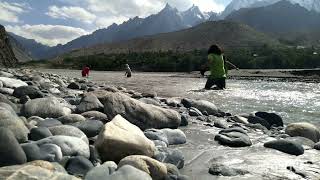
71	12
9	12
48	34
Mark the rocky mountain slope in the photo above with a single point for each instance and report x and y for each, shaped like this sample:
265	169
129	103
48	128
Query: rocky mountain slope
7	56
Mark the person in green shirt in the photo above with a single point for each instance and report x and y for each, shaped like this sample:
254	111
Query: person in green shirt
217	66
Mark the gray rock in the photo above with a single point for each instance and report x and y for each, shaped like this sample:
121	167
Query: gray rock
49	123
272	118
78	166
6	74
150	101
39	133
257	120
66	130
70	146
175	136
233	137
46	108
12	83
184	120
102	172
308	143
74	85
89	102
94	156
9	120
4	99
156	134
143	115
194	112
71	118
286	146
8	91
11	152
222	170
304	129
201	105
30	91
171	156
220	123
317	146
96	115
91	128
51	153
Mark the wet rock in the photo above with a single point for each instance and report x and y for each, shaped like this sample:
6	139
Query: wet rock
154	168
302	141
184	120
222	170
169	136
102	172
49	123
74	85
70	146
4	99
303	129
220	123
233	137
285	146
91	128
298	172
201	105
24	99
258	120
194	112
173	102
94	156
239	119
6	74
11	152
96	115
78	166
172	156
272	118
150	101
45	108
30	91
149	94
317	146
9	120
39	133
156	134
46	152
142	115
66	130
12	83
119	138
89	102
7	91
71	118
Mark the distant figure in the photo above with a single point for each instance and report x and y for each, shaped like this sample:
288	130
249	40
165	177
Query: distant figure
216	65
128	71
85	71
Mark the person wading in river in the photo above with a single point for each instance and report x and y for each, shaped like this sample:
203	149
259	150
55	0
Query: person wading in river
128	71
85	71
217	66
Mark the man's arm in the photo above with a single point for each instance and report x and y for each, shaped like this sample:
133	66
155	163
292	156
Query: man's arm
233	66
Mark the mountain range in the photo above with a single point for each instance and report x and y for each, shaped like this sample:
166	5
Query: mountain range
269	16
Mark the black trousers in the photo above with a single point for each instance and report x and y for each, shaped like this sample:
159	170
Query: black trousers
219	82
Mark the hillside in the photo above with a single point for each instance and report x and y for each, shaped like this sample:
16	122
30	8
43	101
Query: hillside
279	18
228	34
7	56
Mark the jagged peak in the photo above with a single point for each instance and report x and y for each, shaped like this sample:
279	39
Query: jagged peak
168	8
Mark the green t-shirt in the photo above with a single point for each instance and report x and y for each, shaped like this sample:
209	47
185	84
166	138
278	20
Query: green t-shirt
216	65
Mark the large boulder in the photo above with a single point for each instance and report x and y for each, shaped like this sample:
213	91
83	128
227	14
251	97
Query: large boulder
142	115
169	136
286	146
172	156
33	171
89	102
101	172
91	128
46	152
66	130
70	146
71	118
39	133
30	91
9	120
12	83
46	107
222	170
154	168
11	152
201	105
4	99
233	137
272	118
119	138
96	115
303	129
78	166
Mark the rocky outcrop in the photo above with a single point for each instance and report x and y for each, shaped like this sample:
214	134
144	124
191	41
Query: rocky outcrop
7	56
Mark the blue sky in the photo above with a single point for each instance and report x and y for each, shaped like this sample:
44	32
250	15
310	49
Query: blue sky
58	21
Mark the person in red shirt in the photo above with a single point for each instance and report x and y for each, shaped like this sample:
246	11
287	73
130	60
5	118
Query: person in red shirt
85	71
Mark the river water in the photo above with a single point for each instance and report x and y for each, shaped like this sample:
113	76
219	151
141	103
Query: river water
294	101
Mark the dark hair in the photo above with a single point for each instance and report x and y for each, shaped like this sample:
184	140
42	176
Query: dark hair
215	49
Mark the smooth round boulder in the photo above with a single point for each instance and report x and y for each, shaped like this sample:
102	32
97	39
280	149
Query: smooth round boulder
317	146
46	152
150	101
49	123
233	137
50	107
304	129
175	136
4	99
96	115
154	168
11	152
257	120
12	83
286	146
201	105
67	130
272	118
71	118
7	91
222	170
171	156
91	128
39	133
78	166
70	146
119	138
89	102
101	172
30	91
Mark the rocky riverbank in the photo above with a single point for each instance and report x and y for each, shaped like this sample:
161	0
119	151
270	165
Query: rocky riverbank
56	127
